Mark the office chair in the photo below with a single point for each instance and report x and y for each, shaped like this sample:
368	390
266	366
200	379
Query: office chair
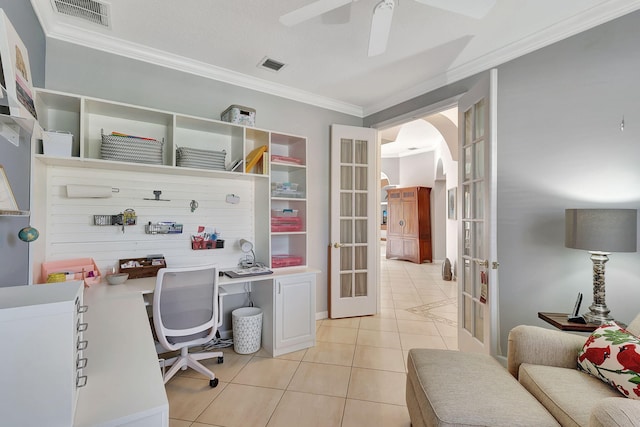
186	313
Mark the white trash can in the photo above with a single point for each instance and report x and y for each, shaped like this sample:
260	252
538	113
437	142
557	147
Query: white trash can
247	329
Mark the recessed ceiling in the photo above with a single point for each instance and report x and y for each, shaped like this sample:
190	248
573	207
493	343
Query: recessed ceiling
327	64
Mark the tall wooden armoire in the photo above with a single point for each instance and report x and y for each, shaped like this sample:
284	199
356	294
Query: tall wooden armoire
409	224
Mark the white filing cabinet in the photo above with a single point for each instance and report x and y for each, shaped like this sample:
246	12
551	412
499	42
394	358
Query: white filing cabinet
289	305
41	358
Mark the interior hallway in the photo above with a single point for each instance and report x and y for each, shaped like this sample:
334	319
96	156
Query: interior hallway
353	377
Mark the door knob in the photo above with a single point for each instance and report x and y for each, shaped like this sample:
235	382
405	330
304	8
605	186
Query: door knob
483	263
401	223
337	245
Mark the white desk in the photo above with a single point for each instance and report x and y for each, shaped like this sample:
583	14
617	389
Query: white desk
287	298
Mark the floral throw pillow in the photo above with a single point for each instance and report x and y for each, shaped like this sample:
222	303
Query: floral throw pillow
613	354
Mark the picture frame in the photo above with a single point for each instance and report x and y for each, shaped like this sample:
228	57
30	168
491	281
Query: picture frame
451	203
8	204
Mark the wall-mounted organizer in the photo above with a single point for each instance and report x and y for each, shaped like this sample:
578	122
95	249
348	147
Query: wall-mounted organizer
163	228
207	244
142	267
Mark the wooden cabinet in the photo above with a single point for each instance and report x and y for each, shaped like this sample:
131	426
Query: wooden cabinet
409	224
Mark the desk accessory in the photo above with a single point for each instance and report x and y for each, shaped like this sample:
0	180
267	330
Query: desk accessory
600	231
574	316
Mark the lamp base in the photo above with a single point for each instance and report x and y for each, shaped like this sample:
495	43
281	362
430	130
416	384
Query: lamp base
597	318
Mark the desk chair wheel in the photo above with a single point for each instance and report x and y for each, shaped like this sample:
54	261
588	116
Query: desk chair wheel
220	359
213	383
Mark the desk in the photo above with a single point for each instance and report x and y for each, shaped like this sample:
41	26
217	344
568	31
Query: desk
559	320
287	299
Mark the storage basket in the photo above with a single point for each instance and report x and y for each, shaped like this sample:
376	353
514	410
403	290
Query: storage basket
240	115
132	149
72	269
202	159
286	224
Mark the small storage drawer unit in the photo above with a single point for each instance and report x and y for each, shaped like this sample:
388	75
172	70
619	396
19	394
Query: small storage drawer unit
286	224
42	329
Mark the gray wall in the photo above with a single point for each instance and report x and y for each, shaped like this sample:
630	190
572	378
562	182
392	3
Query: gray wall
560	146
84	71
14	254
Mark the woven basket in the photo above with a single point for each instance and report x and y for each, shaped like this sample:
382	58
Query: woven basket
131	149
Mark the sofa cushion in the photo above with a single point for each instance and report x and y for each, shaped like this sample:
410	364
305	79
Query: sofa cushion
452	388
612	354
568	394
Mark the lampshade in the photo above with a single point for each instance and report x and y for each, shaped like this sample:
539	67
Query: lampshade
245	245
603	230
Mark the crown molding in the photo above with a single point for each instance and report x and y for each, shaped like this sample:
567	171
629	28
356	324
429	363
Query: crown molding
57	29
107	43
586	20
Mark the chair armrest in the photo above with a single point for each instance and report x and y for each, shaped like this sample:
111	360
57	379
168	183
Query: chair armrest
540	346
615	411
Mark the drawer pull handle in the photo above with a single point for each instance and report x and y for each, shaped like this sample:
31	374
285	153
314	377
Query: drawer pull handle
81	381
81	363
81	327
83	308
82	345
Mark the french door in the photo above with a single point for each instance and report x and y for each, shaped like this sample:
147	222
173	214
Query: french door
477	282
355	185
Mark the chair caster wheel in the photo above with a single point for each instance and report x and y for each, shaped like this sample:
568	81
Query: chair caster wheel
220	359
213	383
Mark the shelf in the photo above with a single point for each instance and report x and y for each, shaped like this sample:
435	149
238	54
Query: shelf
14	213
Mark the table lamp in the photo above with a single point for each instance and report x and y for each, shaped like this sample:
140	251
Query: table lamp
600	231
246	246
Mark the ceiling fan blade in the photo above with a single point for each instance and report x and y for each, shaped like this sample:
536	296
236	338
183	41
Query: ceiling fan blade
380	27
477	9
311	10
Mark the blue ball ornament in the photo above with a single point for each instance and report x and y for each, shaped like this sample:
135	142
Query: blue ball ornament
28	234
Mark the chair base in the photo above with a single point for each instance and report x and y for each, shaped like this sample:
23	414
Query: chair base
190	360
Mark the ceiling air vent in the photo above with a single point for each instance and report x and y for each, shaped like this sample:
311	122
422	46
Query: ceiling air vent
93	11
271	64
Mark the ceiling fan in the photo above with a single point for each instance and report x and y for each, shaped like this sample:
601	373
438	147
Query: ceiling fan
383	13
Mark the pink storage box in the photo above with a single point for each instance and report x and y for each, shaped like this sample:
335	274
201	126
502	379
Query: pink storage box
286	223
278	261
73	269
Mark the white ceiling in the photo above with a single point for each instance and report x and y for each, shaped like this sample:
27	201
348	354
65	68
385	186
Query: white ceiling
327	64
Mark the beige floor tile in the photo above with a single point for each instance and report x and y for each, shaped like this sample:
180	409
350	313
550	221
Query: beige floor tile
201	425
320	378
179	423
378	338
242	406
336	334
417	327
451	342
446	330
358	413
410	341
226	371
330	352
387	313
387	304
386	359
378	324
189	397
407	315
406	304
267	372
309	410
296	355
377	386
349	322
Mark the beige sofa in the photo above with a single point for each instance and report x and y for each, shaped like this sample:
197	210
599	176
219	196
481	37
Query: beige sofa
545	388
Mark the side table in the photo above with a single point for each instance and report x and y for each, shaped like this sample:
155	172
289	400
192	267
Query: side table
559	320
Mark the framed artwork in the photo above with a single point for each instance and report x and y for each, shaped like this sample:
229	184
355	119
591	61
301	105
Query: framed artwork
7	200
16	72
451	203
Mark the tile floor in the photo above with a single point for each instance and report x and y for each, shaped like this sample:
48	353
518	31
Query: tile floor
354	376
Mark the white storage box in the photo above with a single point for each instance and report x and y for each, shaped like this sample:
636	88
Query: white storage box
240	115
57	144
